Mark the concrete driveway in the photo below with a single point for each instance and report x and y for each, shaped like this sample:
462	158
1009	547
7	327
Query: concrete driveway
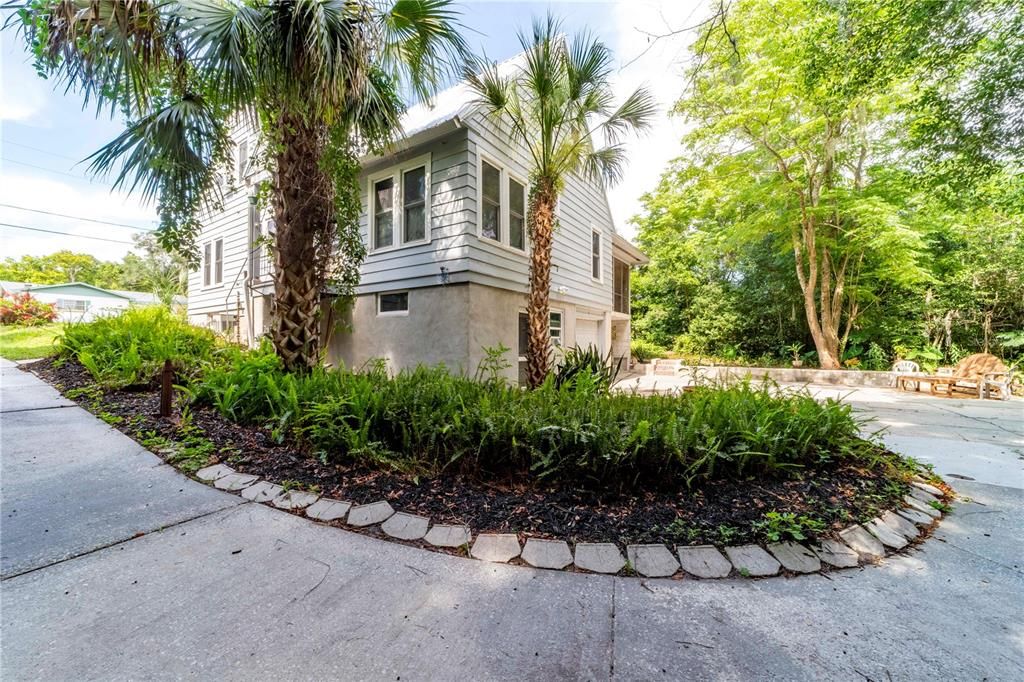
115	566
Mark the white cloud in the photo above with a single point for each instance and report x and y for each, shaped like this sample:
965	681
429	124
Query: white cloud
83	200
25	94
659	65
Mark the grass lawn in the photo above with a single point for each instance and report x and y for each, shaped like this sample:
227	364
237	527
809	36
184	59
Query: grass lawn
25	343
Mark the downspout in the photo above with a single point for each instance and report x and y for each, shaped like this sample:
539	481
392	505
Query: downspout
249	323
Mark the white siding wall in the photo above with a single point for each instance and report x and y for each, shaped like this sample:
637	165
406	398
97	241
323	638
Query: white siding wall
451	197
231	224
583	206
454	242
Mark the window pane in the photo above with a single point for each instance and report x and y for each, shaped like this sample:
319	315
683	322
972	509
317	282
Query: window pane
491	209
243	160
394	303
524	333
218	261
415	185
556	328
596	250
207	265
516	215
492	183
384	219
415	224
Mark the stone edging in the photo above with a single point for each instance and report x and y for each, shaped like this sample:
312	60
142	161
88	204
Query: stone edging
890	532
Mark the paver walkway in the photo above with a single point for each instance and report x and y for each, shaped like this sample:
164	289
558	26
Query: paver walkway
115	566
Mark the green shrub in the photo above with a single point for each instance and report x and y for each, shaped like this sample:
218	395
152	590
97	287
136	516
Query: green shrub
577	362
132	347
427	420
645	350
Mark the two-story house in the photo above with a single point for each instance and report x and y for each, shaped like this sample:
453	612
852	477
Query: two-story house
447	270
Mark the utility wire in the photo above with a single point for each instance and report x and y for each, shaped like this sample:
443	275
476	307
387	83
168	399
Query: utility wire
43	151
67	234
75	217
59	172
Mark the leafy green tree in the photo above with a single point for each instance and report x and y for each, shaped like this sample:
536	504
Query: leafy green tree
558	103
319	77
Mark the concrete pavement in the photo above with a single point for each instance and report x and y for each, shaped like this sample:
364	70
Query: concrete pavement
127	569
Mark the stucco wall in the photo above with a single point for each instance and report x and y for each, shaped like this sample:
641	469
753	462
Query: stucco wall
433	332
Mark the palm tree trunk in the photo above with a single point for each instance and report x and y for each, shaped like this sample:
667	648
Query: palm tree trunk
303	209
541	222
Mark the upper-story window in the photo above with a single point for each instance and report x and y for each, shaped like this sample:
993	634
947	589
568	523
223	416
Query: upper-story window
399	212
595	254
502	206
213	263
243	161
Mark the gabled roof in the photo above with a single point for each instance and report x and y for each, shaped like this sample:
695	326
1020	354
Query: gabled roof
42	287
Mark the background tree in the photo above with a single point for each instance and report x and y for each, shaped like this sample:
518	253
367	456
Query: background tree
320	78
557	102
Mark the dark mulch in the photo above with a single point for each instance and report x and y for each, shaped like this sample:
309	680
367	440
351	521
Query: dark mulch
718	512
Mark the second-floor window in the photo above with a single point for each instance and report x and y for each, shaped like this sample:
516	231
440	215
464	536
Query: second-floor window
595	254
399	211
243	161
502	212
213	263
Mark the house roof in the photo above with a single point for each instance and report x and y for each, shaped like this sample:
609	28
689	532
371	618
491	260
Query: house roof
137	297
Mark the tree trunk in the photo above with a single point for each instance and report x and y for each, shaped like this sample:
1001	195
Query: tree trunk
541	224
303	198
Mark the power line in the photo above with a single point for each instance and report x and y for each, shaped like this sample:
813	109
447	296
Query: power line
43	151
67	234
53	170
75	217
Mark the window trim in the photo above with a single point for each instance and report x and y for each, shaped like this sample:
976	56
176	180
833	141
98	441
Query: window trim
600	254
504	210
392	313
397	175
561	327
211	263
242	166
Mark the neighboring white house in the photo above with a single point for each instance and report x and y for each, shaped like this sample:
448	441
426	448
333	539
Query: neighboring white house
80	302
448	256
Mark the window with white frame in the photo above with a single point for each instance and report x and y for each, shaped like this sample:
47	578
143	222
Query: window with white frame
213	262
400	205
555	328
523	327
516	214
73	305
502	215
243	161
490	200
595	253
393	303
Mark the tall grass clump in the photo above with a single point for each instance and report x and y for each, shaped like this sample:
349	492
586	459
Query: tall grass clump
429	421
131	348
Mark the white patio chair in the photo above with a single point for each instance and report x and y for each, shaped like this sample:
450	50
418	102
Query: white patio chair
904	367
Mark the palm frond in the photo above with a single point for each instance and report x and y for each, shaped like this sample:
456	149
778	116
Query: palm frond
422	44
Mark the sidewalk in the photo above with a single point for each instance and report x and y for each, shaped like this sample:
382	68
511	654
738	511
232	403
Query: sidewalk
115	566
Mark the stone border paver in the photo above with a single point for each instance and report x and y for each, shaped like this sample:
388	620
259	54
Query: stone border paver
448	536
795	557
652	561
752	560
552	554
599	557
326	509
704	561
404	526
370	514
496	547
894	530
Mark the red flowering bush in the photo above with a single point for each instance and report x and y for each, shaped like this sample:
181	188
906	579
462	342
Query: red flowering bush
24	310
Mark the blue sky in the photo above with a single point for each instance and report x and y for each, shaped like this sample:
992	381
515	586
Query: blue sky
44	134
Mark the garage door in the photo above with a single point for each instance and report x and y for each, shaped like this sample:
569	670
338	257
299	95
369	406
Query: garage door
588	333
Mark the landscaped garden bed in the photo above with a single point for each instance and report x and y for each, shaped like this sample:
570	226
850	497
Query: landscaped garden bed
717	466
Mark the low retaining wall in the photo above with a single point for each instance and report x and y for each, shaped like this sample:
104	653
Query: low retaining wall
787	375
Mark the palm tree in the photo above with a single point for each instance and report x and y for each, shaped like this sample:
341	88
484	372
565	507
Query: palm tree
556	99
320	79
